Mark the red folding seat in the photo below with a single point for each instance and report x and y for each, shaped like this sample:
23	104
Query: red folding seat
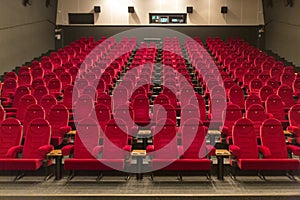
296	87
126	113
120	96
274	106
84	153
59	70
256	113
287	79
10	135
162	99
39	92
230	116
286	94
8	89
251	100
37	82
91	91
80	84
104	115
54	86
90	77
254	70
265	92
73	71
100	86
228	83
239	74
47	101
66	79
165	111
236	96
47	66
276	73
274	147
217	104
14	102
191	156
199	102
267	65
255	86
34	151
172	97
189	112
294	121
24	102
49	76
32	112
105	99
83	108
247	78
34	64
11	75
273	83
107	79
58	118
25	79
141	108
37	72
289	70
70	95
24	69
264	76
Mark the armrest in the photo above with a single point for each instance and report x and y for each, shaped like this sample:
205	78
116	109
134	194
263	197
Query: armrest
235	150
180	151
269	115
10	109
209	116
210	150
13	151
265	151
224	130
65	129
43	150
127	148
294	129
294	149
150	148
67	150
97	150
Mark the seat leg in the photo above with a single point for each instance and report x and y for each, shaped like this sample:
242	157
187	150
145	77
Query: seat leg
180	177
261	176
232	173
208	176
291	176
99	177
127	178
48	174
71	175
151	178
19	176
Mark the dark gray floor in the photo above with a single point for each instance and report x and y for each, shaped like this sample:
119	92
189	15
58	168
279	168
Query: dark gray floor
246	187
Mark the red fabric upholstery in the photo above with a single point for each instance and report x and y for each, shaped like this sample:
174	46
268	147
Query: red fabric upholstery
33	111
256	113
236	96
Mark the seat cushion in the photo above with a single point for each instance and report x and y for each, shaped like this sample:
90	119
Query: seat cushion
182	164
268	164
94	164
20	164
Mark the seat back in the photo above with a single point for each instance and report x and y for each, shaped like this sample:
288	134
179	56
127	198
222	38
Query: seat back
199	102
244	137
47	102
286	94
39	92
84	107
9	87
21	91
294	115
255	85
32	112
236	96
164	139
54	86
231	115
273	138
38	134
70	94
141	107
274	106
115	139
164	112
25	101
265	92
105	99
251	100
256	113
86	138
58	117
10	135
25	78
162	99
194	139
103	115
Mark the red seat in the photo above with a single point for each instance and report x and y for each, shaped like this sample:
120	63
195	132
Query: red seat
265	92
34	151
39	92
294	119
47	102
236	96
10	135
54	86
251	100
256	113
25	79
58	118
286	94
32	112
141	107
274	106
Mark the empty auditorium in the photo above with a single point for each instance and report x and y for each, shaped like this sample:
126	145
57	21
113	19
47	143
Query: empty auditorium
150	99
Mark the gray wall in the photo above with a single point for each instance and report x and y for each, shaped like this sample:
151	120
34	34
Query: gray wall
283	29
249	33
25	32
